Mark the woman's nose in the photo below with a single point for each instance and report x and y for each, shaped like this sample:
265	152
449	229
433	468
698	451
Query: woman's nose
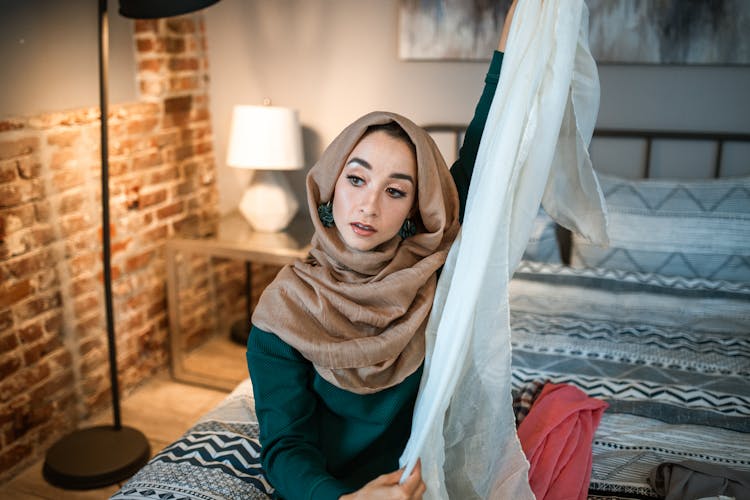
369	204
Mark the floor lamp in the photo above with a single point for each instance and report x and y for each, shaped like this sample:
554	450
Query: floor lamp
108	454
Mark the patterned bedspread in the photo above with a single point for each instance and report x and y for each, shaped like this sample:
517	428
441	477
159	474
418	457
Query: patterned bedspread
671	356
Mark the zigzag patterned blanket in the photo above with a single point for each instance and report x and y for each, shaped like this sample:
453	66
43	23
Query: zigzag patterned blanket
672	359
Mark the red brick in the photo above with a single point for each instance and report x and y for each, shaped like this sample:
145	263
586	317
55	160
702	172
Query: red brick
64	138
18	147
86	303
179	104
72	202
14	292
9	366
74	223
83	263
6	319
13	455
8	342
15	193
30	333
42	211
157	234
8	171
183	64
38	305
68	178
180	25
41	350
184	83
145	44
53	325
154	65
170	210
152	197
143	126
11	194
139	261
28	167
22	267
26	419
146	25
148	160
64	158
53	385
7	125
16	218
165	174
61	360
41	235
120	246
175	45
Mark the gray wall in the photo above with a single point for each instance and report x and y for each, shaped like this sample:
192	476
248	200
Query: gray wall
335	60
49	59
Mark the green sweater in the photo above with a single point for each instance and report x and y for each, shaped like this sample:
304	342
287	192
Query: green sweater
320	441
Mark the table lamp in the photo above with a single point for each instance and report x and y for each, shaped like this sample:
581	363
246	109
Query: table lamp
266	139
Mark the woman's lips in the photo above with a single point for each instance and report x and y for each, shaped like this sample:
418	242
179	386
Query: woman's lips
363	229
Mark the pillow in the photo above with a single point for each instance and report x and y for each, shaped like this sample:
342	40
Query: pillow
695	229
542	245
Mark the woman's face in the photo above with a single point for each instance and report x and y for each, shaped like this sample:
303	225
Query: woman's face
375	191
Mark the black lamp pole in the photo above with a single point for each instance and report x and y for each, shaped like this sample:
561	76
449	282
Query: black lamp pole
108	454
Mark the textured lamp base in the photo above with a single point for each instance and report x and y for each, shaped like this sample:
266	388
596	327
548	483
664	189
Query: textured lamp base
96	457
268	203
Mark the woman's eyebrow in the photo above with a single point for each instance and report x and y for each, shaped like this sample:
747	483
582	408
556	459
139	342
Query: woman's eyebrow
364	163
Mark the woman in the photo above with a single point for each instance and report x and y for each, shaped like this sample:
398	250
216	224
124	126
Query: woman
337	345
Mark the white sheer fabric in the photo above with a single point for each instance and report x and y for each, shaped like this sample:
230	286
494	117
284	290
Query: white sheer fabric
534	148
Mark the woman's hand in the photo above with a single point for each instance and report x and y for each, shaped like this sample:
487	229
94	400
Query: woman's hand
386	487
506	26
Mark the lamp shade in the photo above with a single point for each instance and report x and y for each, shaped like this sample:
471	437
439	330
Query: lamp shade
265	138
152	9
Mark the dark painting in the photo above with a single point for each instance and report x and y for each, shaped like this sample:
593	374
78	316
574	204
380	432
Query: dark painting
620	31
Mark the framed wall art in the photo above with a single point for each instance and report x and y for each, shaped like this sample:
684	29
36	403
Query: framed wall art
708	32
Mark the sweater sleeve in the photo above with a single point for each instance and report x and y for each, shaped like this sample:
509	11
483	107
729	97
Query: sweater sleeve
285	406
467	155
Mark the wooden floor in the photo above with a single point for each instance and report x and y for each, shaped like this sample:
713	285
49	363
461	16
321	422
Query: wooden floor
162	409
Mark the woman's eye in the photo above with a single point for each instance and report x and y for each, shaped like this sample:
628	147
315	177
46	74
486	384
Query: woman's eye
396	193
354	180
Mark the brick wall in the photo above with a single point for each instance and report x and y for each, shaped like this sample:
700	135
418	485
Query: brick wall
53	353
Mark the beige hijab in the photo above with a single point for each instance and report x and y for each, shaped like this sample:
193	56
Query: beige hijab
359	317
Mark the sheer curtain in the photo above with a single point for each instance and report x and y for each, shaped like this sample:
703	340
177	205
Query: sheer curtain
534	150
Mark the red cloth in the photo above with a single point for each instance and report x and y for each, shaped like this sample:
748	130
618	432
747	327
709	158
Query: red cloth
556	436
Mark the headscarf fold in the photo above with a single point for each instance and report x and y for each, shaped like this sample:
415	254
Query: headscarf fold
359	317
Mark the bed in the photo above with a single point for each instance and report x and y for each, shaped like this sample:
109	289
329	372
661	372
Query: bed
657	325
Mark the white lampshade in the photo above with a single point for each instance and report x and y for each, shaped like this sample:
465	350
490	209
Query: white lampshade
266	138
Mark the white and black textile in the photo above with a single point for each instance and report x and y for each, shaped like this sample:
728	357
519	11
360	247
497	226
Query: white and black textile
216	459
671	357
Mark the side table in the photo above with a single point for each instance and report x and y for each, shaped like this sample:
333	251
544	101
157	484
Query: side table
235	239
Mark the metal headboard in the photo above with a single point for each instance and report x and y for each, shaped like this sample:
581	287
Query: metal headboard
564	238
649	136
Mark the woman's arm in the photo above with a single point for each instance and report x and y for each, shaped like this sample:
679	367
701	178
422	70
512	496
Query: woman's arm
463	167
285	407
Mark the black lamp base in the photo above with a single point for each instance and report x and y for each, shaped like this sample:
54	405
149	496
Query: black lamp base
96	457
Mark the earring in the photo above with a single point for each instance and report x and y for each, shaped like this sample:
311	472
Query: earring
325	213
408	228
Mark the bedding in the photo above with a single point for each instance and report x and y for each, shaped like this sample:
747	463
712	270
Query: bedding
690	228
670	357
667	349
